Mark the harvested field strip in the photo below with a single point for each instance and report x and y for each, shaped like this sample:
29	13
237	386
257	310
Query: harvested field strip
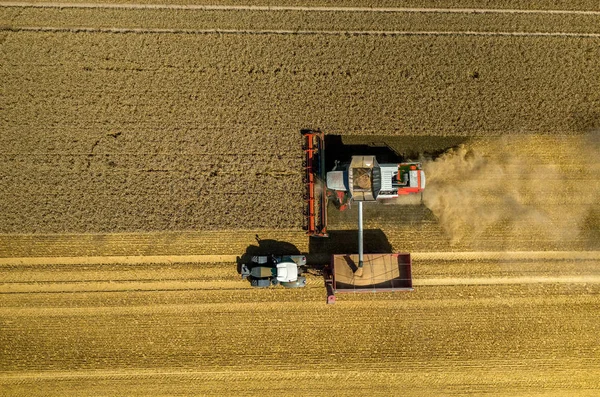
223	308
446	267
93	260
178	273
417	256
400	236
83	29
119	286
447	271
199	21
509	256
60	287
243	293
290	374
126	272
134	341
356	301
449	381
222	7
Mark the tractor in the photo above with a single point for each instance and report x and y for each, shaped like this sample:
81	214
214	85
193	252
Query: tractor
265	270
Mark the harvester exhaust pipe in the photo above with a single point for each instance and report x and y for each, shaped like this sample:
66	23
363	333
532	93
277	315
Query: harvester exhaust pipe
359	270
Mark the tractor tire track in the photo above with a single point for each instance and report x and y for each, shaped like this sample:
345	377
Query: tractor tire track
418	256
82	29
275	8
239	285
588	279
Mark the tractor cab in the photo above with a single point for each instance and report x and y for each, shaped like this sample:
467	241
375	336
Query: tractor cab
287	272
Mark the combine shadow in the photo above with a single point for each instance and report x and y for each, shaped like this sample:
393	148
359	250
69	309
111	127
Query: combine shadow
346	242
320	249
589	232
383	215
337	150
388	149
266	247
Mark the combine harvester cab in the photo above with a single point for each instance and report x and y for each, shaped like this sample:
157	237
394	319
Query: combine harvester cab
401	179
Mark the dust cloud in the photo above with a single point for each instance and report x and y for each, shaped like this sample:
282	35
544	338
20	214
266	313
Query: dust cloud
536	187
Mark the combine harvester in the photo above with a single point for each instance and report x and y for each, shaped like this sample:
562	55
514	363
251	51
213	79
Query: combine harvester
361	180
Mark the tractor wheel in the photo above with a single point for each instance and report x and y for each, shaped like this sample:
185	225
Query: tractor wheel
260	282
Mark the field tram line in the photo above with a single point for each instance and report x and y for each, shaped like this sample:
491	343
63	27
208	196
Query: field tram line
232	259
132	285
280	8
49	29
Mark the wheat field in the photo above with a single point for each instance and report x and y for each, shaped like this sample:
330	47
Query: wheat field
144	146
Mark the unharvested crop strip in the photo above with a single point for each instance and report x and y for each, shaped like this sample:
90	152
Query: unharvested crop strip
297	8
295	32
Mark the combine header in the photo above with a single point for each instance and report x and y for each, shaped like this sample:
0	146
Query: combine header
315	195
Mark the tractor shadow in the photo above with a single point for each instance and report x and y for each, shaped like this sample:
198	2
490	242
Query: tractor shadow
266	247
